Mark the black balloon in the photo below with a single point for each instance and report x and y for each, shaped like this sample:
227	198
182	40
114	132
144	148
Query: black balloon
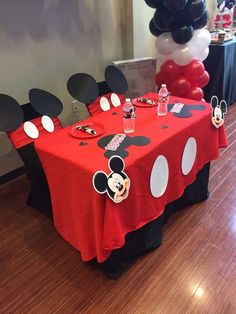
175	5
181	20
164	20
182	35
155	31
200	23
180	17
228	4
194	10
153	3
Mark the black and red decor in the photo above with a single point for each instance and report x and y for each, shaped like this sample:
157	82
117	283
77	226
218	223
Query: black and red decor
118	144
100	96
180	110
180	17
23	124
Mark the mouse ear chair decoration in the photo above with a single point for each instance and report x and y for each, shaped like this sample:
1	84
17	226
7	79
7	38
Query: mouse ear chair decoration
99	96
83	87
11	113
219	109
116	80
45	103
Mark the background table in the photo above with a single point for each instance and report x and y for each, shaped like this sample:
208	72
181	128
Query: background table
221	66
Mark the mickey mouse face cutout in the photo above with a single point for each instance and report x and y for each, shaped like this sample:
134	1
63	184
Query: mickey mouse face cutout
42	102
100	96
218	111
116	184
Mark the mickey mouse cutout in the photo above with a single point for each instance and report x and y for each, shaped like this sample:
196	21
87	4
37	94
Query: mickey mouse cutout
116	184
12	115
101	96
218	111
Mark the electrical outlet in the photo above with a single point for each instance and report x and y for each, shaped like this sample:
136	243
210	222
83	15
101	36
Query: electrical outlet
75	106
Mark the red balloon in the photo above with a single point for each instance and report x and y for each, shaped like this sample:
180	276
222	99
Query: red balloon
227	16
180	86
194	69
161	79
170	69
227	24
158	78
217	17
202	81
195	93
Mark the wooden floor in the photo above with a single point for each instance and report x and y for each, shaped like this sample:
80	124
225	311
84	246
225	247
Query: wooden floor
194	271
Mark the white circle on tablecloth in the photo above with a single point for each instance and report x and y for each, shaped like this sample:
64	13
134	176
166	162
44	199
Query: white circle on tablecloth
31	130
47	123
189	155
159	176
115	100
104	103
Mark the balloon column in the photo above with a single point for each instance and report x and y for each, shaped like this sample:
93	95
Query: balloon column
182	44
223	19
222	4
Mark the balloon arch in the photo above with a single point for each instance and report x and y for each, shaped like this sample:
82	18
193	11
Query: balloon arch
182	45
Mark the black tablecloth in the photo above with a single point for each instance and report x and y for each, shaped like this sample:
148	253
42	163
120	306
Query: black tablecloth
221	66
149	236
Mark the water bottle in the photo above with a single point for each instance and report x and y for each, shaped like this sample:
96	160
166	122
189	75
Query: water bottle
163	98
128	116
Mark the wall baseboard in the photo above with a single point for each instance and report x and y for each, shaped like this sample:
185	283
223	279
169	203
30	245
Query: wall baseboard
12	175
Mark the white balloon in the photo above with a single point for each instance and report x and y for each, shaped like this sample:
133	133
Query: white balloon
199	53
161	59
165	44
195	49
202	36
182	56
204	54
197	45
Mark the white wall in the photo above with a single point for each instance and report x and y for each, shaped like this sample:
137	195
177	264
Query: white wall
144	41
211	6
44	42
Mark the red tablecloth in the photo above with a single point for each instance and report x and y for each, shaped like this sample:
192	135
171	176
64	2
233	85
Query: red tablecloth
92	223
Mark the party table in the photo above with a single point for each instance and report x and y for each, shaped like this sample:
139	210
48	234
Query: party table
221	66
160	159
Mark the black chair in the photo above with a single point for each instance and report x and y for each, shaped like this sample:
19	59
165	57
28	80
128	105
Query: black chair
102	96
12	121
